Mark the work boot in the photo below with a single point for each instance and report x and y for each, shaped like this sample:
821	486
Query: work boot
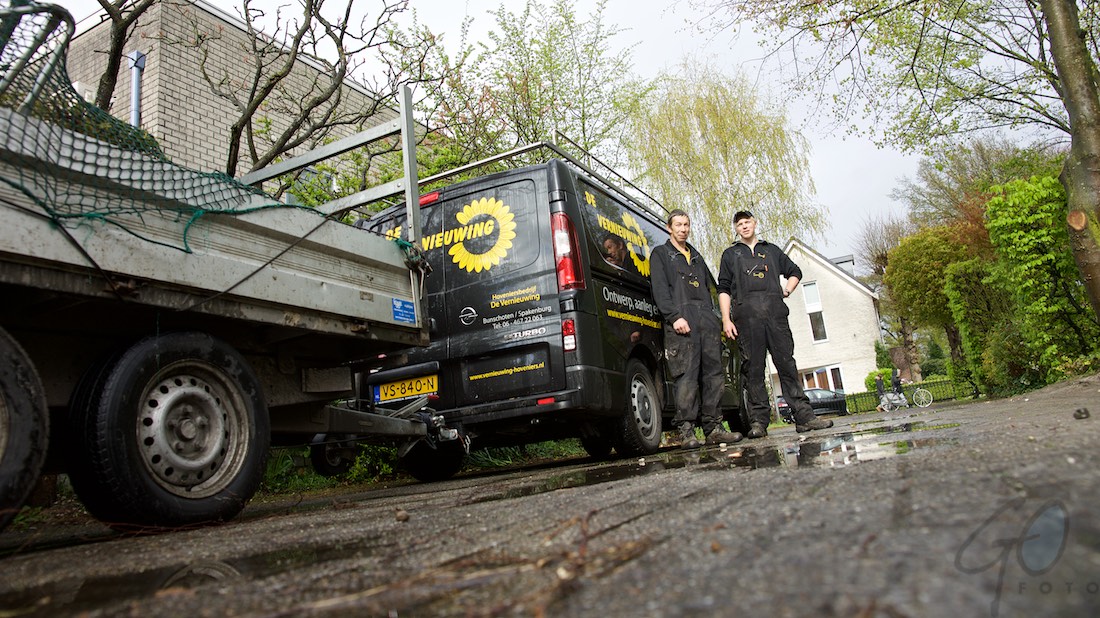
718	436
817	423
687	436
758	430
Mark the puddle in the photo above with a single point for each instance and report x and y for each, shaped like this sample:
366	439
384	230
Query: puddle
98	593
836	450
833	450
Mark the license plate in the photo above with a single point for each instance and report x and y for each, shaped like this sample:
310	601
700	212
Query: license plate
405	389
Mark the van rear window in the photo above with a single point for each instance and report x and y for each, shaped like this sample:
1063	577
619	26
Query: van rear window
492	231
489	230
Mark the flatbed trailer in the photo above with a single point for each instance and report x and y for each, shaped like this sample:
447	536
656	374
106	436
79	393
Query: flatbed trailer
160	342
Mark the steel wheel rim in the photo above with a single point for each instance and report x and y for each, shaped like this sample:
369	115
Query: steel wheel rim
922	398
192	429
642	406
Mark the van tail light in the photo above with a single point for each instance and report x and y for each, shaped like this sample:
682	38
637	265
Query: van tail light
568	335
566	255
429	198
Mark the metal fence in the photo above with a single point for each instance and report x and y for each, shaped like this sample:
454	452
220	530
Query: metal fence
942	390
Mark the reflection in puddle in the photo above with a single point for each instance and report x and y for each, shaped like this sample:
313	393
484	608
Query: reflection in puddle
839	449
830	450
72	597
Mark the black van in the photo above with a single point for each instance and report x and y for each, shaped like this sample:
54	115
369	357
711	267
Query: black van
542	325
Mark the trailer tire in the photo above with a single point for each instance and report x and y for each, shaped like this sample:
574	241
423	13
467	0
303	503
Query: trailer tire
428	464
640	425
174	432
24	427
330	459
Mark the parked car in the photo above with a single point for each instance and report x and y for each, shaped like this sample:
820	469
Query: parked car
822	400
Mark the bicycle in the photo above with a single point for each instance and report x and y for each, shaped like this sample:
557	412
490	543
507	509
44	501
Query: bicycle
893	401
922	397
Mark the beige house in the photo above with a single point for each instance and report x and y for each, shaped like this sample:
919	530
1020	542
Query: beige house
835	322
178	107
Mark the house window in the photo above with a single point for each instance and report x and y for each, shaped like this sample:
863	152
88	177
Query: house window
824	377
813	298
813	308
817	324
834	373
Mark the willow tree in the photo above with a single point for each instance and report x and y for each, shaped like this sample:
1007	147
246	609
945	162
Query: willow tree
926	70
710	144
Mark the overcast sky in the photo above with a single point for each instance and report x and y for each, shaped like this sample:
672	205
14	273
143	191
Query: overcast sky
853	177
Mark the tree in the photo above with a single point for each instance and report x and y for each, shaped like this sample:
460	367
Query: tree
544	71
915	278
954	179
877	235
1033	262
709	144
923	70
934	362
1077	70
982	310
274	116
123	14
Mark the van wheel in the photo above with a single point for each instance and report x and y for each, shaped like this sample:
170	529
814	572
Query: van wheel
174	432
427	464
24	425
597	445
640	426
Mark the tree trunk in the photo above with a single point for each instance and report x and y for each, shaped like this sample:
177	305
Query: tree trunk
1077	74
954	344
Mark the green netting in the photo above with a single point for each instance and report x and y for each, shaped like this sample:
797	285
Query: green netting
76	162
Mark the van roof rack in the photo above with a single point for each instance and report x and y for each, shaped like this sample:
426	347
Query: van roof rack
649	204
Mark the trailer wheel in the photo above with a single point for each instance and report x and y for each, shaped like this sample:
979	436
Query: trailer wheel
333	458
640	425
174	432
24	427
427	464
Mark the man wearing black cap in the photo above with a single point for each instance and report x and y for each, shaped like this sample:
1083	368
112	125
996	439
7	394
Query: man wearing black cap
682	286
750	298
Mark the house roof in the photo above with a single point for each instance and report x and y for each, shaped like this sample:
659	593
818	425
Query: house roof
829	265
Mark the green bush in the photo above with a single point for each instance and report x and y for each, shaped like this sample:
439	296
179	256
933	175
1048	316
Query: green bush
869	381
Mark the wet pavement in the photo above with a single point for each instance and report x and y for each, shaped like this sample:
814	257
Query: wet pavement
988	508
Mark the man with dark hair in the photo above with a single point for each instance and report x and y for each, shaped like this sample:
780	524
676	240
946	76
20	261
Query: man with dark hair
616	251
750	298
682	285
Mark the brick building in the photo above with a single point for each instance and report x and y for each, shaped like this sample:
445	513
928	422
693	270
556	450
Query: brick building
178	106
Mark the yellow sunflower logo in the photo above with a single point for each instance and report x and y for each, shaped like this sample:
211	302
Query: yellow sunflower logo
484	210
639	254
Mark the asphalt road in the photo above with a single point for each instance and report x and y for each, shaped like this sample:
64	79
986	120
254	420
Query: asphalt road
982	509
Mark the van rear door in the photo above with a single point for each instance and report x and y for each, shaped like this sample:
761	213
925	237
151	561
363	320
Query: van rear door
502	315
492	295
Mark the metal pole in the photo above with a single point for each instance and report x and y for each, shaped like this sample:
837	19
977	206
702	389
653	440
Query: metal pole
137	66
408	151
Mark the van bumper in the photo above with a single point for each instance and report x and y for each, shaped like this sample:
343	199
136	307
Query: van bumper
588	390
